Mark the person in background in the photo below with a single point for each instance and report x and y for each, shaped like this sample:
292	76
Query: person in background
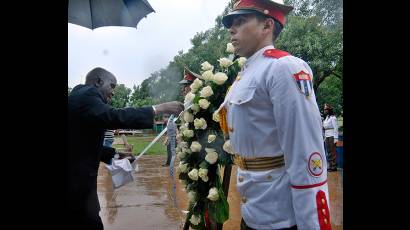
166	142
187	80
331	136
89	116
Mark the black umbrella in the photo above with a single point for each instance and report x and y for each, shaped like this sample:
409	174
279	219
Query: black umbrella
98	13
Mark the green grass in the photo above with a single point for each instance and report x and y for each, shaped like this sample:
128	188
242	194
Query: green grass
141	142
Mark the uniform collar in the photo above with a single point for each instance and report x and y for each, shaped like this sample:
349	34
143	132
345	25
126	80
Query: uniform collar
255	56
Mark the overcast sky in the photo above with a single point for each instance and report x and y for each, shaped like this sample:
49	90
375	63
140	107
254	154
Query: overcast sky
133	54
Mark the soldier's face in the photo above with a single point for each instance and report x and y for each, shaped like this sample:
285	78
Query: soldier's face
246	34
185	89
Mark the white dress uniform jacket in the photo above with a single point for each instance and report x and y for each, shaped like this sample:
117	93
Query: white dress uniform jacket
272	111
331	127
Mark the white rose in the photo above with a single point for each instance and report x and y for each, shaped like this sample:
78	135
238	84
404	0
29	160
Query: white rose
220	78
189	97
203	173
211	155
178	148
188	133
183	167
203	103
195	220
211	138
224	62
193	174
181	155
195	146
208	150
206	92
204	124
183	144
200	123
197	123
195	108
241	61
205	179
192	196
206	66
227	147
183	126
208	75
215	116
230	48
187	150
196	85
188	117
194	88
213	194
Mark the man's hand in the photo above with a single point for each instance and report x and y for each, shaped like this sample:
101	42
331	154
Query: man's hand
173	107
127	155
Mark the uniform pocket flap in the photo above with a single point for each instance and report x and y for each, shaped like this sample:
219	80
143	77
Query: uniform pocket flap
244	95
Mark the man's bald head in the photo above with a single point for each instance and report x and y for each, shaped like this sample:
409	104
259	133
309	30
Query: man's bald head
98	73
103	80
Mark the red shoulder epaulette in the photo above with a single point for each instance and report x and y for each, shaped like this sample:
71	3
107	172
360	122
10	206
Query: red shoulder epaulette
275	53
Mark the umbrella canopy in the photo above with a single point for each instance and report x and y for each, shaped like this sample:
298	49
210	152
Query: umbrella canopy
98	13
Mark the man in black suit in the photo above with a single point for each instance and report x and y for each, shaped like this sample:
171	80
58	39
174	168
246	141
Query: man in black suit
89	116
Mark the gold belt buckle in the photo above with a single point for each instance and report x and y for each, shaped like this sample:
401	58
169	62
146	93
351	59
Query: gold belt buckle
239	161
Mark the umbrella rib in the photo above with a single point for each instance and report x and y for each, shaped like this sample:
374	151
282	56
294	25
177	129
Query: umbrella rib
91	15
149	5
128	11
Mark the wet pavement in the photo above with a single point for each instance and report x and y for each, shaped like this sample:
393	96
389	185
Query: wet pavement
152	202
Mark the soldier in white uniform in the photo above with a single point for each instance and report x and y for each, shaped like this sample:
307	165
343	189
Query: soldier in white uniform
331	136
274	126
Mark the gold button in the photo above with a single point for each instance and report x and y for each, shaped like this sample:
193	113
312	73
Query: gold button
240	179
325	220
324	211
243	199
323	201
269	177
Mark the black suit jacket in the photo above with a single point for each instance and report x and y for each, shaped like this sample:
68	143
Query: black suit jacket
88	118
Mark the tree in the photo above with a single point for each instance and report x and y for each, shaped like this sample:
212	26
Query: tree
313	32
121	96
319	46
163	85
330	12
331	92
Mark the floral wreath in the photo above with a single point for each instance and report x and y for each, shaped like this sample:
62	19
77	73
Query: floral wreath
203	142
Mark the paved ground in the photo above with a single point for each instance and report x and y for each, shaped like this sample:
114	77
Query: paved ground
151	203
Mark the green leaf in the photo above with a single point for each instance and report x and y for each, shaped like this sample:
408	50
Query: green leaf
204	165
197	98
222	213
